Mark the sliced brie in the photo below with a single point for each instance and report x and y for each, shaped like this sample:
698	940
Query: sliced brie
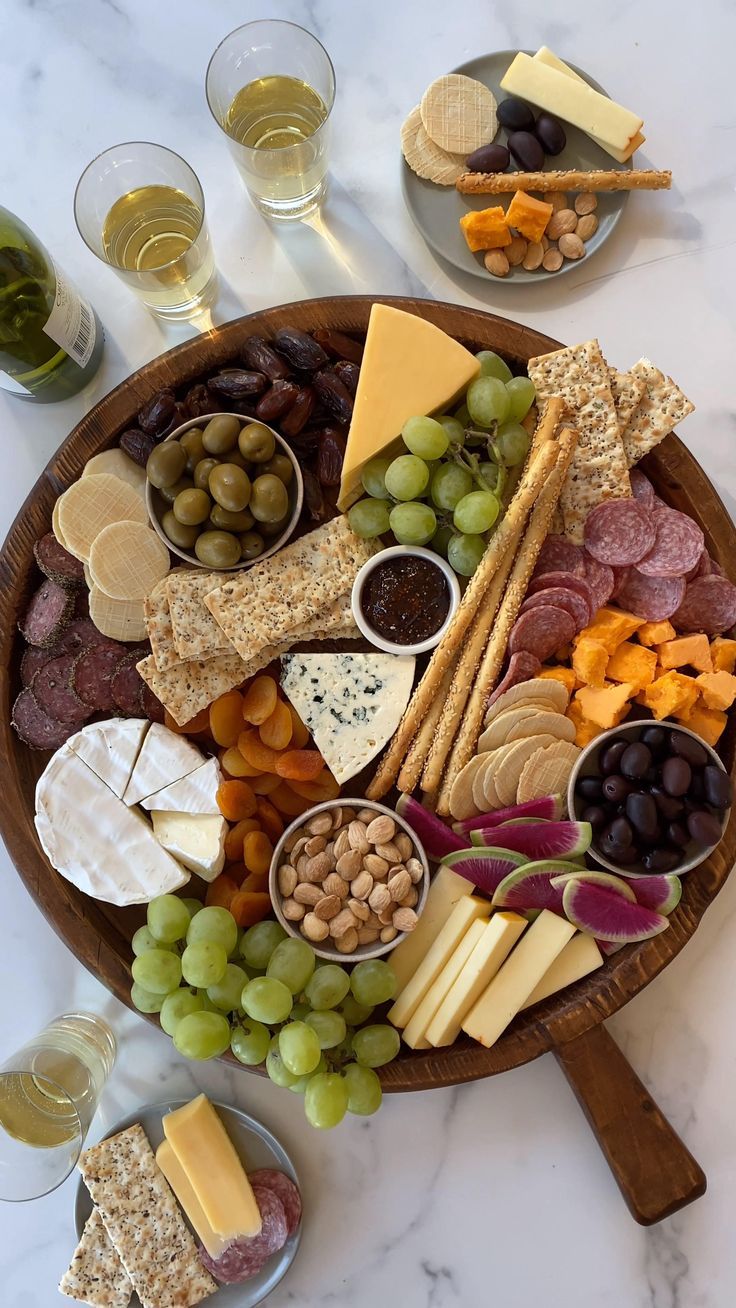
193	794
165	757
196	840
111	748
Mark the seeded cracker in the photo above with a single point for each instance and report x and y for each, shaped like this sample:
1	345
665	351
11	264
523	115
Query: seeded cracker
662	406
159	629
187	688
143	1221
627	390
96	1275
459	113
424	157
196	634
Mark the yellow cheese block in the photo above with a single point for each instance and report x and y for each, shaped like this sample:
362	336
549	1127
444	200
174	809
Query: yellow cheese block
466	910
546	56
574	101
498	939
410	367
415	1031
444	892
211	1165
579	957
187	1199
518	978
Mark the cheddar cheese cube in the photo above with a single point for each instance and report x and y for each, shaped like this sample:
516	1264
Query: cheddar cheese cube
589	661
686	650
565	675
717	689
486	229
670	695
654	633
705	722
528	215
610	627
585	731
605	706
632	663
723	654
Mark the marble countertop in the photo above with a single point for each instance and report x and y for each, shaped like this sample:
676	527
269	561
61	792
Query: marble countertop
494	1192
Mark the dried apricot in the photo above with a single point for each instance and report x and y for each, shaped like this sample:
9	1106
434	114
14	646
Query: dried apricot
233	763
266	783
276	731
255	881
235	837
317	792
236	800
220	891
197	726
226	718
260	700
249	907
236	871
299	764
288	802
257	851
255	752
299	733
270	819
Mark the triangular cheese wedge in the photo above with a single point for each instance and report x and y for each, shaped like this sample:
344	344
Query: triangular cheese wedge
164	758
410	367
193	794
197	840
111	748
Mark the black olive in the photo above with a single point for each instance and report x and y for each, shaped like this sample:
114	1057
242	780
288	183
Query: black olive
676	776
704	827
688	748
661	860
641	811
636	761
616	788
590	788
610	760
716	786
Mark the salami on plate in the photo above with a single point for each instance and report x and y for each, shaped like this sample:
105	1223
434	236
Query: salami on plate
57	563
48	614
568	580
244	1258
127	685
702	567
53	688
541	631
709	605
35	727
619	532
283	1186
522	666
600	579
642	489
93	674
559	555
652	598
561	597
678	545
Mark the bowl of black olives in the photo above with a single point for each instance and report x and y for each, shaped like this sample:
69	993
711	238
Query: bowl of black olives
656	795
223	491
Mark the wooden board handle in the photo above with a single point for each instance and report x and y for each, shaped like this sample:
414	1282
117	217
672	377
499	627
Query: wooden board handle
654	1171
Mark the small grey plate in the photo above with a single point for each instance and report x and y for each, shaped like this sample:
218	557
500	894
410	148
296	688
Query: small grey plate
437	210
256	1148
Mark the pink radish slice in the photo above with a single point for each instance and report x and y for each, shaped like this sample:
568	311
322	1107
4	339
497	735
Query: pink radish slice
609	916
532	887
661	893
435	835
547	809
543	840
486	868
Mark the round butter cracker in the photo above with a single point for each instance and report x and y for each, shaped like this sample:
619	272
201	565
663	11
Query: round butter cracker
117	464
93	503
127	559
425	158
459	113
118	619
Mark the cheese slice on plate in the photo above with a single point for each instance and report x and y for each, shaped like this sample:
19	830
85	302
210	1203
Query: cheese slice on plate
410	367
444	892
415	1031
520	974
213	1169
193	794
465	912
111	748
546	56
165	757
196	840
498	939
187	1199
576	960
351	703
572	100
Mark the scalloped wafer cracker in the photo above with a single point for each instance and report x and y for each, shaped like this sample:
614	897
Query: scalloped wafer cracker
459	113
117	464
547	771
127	560
118	619
93	503
424	157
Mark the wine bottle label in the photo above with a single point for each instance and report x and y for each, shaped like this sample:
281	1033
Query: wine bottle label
8	383
71	322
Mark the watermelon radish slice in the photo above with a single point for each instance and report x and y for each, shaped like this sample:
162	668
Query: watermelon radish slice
549	808
661	893
609	916
616	885
532	886
438	839
519	822
609	947
543	840
486	868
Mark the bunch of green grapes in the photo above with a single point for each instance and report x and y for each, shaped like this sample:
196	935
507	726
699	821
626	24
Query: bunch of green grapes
446	488
266	997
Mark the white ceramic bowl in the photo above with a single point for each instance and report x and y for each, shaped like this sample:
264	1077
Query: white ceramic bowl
404	551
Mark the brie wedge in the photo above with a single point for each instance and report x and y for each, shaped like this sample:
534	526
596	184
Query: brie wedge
165	757
196	793
196	840
111	748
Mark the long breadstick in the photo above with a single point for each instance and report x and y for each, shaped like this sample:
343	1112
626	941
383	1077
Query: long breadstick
414	761
566	179
535	475
490	667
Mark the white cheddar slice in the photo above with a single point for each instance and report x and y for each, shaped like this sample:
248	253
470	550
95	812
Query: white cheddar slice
213	1169
577	959
111	748
444	892
520	974
546	56
196	793
466	910
415	1032
196	840
187	1199
498	939
165	757
574	101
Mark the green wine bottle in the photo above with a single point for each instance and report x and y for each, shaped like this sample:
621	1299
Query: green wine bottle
51	339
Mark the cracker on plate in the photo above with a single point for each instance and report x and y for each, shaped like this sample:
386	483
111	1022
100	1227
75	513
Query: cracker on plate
627	390
188	687
660	409
96	1275
196	634
424	157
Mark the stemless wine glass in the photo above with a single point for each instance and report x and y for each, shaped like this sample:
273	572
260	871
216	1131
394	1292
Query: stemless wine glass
140	208
49	1091
271	87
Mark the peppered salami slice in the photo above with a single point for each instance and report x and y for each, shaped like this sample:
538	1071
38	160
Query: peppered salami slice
701	569
57	563
33	660
243	1258
48	614
642	489
81	604
81	635
127	685
709	605
283	1186
651	598
522	667
35	727
53	688
618	532
559	555
541	631
561	598
568	581
600	578
678	545
151	706
94	670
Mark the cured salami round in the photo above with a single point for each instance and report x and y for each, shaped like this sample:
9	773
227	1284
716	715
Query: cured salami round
35	727
678	545
81	635
702	567
283	1186
93	674
48	614
152	707
541	631
53	688
567	580
243	1258
652	598
600	579
619	580
126	686
618	532
33	660
560	597
709	605
642	489
559	555
522	667
57	563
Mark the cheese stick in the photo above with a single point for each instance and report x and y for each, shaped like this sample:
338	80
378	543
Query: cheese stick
566	179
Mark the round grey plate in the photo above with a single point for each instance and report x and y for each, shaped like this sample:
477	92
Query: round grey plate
437	210
256	1148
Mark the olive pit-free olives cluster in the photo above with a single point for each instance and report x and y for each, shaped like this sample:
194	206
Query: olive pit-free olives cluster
226	488
529	139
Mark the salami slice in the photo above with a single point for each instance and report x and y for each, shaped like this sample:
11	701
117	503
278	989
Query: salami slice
33	660
651	598
559	555
152	707
81	635
619	532
522	667
48	614
81	604
678	545
541	631
57	563
561	598
54	691
716	567
127	685
283	1186
702	567
244	1258
709	605
619	580
93	673
642	489
35	727
600	578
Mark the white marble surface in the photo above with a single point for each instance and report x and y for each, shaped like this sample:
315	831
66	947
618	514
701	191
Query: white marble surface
493	1193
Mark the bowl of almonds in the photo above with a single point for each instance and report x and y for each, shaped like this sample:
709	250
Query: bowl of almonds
350	877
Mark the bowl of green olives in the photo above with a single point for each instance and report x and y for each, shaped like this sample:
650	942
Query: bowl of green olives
223	491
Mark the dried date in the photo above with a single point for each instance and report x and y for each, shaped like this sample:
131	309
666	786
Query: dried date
137	445
199	400
349	374
179	416
258	355
155	417
330	456
334	394
338	345
314	500
299	349
300	412
237	383
276	401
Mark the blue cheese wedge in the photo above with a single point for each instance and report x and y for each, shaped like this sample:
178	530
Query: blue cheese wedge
195	840
196	793
351	703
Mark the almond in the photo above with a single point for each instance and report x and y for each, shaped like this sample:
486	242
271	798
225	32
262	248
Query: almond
314	928
558	200
410	900
362	886
334	884
516	250
381	830
571	246
389	852
357	837
367	935
342	922
328	907
496	263
350	864
388	933
342	843
307	893
564	220
315	845
379	898
364	815
318	867
347	943
415	870
399	885
359	909
552	260
587	226
322	824
378	867
404	845
404	919
292	911
586	202
348	816
287	879
533	256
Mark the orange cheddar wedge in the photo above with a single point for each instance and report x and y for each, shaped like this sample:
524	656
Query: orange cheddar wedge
684	651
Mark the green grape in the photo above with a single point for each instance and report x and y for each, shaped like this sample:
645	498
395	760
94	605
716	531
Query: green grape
441	540
192	905
214	925
425	437
292	962
145	1000
168	919
364	1090
299	1048
464	553
299	1087
327	986
203	963
373	982
299	1012
453	427
250	1041
522	394
259	942
448	485
462	416
492	365
489	473
234	955
413	524
143	940
369	518
202	1035
343	1053
407	477
375	1045
207	1004
353	1012
267	1000
513	443
326	1100
488	401
276	1068
158	970
178	1005
329	1026
226	993
476	512
373	477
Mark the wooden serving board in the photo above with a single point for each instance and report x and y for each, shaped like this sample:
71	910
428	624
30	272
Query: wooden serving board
99	935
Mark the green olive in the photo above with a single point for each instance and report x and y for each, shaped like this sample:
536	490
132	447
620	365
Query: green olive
217	549
234	456
193	443
230	487
269	501
202	473
272	529
180	535
192	507
256	443
251	545
281	466
224	520
169	493
166	464
221	433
